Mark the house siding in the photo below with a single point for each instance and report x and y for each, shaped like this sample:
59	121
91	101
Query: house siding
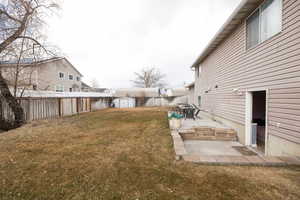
48	76
273	65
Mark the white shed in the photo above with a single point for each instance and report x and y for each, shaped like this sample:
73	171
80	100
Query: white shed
124	102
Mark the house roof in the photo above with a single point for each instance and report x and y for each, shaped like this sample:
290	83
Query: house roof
52	94
42	61
190	85
100	89
244	9
84	85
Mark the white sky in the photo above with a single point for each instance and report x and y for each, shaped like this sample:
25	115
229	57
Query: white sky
109	40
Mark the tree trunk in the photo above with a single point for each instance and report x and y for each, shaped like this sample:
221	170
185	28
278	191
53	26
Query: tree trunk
13	104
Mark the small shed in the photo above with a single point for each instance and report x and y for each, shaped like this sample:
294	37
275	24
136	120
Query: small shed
124	102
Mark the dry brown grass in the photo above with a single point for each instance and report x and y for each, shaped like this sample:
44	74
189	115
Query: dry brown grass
122	154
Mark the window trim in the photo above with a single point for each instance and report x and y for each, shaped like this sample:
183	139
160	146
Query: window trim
61	78
199	101
72	77
62	87
259	25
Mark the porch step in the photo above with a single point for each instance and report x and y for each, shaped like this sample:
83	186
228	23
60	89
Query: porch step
208	133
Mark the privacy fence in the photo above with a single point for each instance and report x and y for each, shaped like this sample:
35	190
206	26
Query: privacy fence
47	105
124	102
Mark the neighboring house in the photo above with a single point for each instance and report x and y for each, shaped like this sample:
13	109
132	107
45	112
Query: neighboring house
55	74
101	90
191	93
250	73
85	87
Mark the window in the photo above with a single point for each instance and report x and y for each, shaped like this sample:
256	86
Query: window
271	21
253	30
78	78
70	89
199	101
59	88
61	75
264	23
70	77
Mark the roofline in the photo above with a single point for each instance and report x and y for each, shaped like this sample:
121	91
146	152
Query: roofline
43	62
190	85
72	66
38	62
239	14
83	83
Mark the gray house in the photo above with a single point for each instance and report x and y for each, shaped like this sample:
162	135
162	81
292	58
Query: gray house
55	74
248	76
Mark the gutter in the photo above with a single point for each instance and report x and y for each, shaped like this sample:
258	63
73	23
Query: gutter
208	49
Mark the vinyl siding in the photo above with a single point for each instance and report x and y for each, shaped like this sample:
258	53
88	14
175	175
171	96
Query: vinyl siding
273	65
48	76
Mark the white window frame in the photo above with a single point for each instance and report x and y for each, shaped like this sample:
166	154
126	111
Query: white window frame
62	78
60	87
259	8
199	101
72	77
77	78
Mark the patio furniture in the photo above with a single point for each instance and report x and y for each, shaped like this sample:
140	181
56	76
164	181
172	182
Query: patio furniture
187	111
197	110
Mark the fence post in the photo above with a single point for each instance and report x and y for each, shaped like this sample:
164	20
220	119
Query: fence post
59	107
1	108
90	102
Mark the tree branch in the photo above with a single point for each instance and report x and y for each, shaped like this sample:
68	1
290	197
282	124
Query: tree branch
9	16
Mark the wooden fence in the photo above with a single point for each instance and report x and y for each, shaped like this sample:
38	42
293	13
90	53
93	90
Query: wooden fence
47	108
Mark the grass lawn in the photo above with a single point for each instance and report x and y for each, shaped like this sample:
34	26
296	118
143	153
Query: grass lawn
122	154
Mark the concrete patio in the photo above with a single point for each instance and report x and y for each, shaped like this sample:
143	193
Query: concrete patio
202	122
217	152
212	148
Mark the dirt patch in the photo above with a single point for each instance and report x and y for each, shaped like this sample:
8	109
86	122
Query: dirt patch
122	154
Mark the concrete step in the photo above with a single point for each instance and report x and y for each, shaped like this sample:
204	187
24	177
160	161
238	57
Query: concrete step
208	137
205	131
208	133
219	131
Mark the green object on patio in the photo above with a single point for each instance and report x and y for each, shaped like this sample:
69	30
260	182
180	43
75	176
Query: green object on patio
175	116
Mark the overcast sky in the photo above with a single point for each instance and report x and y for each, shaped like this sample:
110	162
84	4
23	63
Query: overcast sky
109	40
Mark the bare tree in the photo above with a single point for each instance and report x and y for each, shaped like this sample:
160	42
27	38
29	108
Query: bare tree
95	83
21	68
20	21
148	78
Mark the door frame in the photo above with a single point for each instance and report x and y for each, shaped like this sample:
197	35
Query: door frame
249	116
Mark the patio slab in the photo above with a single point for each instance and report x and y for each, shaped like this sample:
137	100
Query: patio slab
220	152
211	148
190	124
